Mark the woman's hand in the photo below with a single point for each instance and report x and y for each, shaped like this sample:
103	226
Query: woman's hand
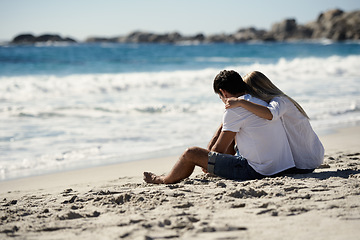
232	102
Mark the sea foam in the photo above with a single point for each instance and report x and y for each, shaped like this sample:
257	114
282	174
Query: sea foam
52	123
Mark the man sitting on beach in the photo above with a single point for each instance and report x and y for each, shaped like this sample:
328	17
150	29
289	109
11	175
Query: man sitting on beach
263	146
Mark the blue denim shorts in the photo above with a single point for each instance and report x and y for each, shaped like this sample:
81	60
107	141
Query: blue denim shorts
231	167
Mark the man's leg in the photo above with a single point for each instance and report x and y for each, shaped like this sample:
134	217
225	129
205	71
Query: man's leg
184	167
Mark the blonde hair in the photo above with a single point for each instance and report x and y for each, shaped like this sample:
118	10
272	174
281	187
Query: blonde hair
262	88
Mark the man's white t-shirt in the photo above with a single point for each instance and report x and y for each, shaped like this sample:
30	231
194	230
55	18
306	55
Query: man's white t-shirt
263	143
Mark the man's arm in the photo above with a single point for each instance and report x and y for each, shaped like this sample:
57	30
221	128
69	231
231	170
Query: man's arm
224	141
214	138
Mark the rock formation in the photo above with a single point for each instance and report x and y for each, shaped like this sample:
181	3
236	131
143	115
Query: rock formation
31	39
335	25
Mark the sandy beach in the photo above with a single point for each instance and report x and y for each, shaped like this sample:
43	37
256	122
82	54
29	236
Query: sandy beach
113	202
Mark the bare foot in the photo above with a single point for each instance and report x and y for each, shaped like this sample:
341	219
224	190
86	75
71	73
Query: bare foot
152	178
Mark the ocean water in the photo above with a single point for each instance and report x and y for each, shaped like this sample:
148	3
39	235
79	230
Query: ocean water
74	106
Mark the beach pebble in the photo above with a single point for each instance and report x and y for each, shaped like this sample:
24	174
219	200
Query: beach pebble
70	215
94	214
324	166
11	230
167	222
239	205
193	219
221	184
184	205
12	202
71	200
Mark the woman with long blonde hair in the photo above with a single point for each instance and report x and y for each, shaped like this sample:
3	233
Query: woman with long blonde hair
307	150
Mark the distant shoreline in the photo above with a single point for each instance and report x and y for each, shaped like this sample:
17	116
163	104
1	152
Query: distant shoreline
335	25
183	43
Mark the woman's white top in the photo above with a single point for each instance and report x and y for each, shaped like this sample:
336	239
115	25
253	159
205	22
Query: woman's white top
307	150
263	143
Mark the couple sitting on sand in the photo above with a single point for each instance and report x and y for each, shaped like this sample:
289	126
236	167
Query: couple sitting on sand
264	133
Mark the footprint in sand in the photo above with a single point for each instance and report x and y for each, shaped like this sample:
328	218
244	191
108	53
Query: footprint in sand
70	215
184	205
71	200
10	203
248	193
73	215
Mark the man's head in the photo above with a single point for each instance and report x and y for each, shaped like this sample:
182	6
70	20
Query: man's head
229	82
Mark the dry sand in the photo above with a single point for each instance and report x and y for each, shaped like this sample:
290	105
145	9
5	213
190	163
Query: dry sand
112	202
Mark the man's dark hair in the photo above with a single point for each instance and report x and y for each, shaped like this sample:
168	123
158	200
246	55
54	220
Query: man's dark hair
229	81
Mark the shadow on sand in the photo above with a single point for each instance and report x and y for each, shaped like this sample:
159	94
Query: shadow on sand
345	173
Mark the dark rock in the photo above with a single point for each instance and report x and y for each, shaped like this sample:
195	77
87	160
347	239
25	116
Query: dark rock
48	38
67	39
217	38
24	38
147	37
329	15
336	25
198	37
248	34
289	30
101	39
31	39
173	37
138	37
286	26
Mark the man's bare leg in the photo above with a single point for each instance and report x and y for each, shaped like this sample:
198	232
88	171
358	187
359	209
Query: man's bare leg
184	167
153	178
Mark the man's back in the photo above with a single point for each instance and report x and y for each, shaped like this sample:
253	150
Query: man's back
263	143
